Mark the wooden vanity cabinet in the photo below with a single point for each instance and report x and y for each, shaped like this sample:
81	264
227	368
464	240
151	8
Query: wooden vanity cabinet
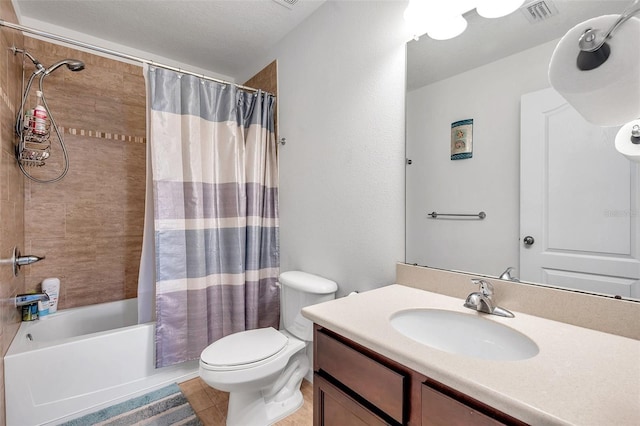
355	386
334	407
441	408
363	381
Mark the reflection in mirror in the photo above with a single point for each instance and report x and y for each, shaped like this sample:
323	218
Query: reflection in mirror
536	167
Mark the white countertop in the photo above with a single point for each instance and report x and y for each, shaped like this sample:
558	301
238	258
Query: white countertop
579	377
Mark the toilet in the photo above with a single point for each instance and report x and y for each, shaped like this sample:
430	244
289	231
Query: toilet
262	369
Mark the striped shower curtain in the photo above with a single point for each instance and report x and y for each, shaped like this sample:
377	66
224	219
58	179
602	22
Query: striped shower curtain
215	200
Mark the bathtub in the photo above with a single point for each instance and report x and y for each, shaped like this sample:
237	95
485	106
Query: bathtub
79	360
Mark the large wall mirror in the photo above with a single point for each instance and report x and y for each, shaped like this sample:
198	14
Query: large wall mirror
560	204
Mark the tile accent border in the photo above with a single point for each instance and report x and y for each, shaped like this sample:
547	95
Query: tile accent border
103	135
80	132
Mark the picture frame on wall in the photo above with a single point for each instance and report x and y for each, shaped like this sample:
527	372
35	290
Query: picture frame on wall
462	139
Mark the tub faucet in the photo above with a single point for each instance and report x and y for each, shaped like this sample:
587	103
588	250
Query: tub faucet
482	301
506	275
31	298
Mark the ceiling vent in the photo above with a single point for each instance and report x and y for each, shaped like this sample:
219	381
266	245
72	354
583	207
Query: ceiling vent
539	11
286	3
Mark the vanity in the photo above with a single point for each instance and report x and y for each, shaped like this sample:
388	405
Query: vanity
368	372
354	385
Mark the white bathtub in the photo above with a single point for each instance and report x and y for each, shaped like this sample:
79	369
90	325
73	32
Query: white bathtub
82	359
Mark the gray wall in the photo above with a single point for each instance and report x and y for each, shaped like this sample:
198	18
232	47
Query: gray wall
341	80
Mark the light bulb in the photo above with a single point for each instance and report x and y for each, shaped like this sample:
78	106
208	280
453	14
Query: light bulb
447	28
415	18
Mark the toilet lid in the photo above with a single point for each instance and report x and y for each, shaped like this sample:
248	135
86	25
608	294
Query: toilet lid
245	347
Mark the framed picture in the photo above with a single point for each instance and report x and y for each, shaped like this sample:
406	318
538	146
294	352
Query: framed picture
462	139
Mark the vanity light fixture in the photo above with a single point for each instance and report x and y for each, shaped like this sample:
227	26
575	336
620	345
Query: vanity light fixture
442	19
596	68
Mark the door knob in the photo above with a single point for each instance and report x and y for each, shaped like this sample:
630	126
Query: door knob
528	240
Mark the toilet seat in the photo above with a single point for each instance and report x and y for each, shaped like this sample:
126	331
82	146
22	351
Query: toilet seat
245	349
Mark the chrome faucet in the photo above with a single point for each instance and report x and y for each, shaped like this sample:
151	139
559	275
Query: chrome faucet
17	260
30	298
481	301
506	275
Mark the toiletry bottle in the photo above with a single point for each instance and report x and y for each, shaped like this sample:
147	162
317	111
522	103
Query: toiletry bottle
32	120
30	312
26	312
39	120
43	308
51	286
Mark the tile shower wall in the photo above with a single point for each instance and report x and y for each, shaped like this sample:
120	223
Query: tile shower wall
11	187
89	224
267	80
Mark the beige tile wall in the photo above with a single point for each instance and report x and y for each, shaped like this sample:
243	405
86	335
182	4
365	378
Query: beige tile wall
11	188
267	79
89	224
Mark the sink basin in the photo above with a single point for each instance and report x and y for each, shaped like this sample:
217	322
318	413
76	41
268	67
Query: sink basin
464	334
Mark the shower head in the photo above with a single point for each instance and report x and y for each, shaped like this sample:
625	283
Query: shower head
72	64
39	66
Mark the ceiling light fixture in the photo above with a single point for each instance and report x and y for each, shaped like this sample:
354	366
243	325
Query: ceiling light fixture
442	19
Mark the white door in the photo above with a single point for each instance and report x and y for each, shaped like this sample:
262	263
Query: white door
578	201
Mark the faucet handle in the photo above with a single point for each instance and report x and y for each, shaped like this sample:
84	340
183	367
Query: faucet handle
506	275
486	288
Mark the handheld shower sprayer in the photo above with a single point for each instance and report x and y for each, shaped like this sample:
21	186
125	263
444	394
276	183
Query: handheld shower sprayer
72	65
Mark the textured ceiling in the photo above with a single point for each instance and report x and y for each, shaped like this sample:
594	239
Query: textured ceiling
227	36
487	40
221	36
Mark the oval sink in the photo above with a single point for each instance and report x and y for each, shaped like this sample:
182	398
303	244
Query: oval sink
464	334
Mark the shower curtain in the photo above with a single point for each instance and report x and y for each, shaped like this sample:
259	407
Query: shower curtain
215	213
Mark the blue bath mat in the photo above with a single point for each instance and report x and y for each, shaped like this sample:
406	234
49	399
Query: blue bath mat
166	406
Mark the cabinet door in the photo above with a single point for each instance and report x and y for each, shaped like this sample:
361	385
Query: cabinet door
374	382
439	409
332	407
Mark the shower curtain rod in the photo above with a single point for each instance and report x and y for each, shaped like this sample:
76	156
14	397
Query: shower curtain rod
45	34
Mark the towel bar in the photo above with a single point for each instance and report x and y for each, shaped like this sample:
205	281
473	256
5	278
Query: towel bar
480	215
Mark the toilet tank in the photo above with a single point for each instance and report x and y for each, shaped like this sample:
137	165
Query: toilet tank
297	290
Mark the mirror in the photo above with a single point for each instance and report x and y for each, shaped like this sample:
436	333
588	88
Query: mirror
495	68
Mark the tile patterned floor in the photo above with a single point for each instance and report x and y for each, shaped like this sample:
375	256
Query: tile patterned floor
211	405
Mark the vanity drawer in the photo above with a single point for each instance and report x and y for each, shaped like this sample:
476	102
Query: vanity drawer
439	409
371	380
336	408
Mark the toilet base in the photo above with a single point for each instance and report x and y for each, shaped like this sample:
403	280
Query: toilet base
250	409
266	406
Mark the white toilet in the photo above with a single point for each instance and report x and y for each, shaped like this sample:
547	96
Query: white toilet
262	369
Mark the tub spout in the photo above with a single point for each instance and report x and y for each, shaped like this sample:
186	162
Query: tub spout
28	299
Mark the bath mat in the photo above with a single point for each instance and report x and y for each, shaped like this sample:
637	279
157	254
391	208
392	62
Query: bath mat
166	406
